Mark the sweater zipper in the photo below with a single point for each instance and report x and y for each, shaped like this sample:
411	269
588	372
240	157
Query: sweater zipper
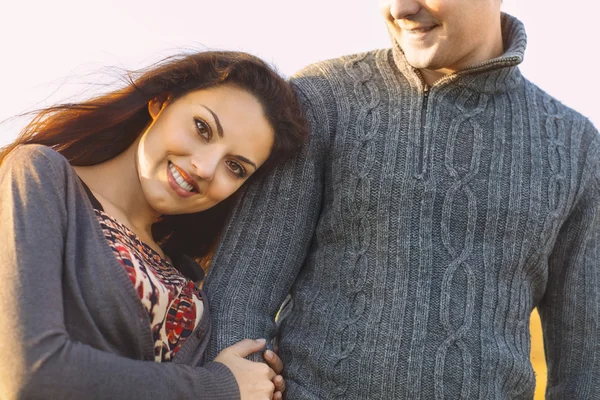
425	101
420	157
423	148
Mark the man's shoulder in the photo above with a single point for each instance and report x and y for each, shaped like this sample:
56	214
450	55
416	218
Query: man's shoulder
553	107
559	117
334	69
325	82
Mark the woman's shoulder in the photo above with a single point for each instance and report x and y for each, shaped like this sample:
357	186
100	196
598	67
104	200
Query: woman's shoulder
35	153
36	159
35	171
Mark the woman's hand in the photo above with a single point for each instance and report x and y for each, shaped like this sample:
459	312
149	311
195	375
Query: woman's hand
276	365
254	379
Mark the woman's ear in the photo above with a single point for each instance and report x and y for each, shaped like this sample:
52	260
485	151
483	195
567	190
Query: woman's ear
156	105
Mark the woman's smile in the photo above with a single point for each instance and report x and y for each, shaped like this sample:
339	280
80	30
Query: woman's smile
181	182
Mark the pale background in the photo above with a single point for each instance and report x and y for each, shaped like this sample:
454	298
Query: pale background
49	49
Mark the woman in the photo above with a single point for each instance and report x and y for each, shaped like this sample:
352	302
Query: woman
104	207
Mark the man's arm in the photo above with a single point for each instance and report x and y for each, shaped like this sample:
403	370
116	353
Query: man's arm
570	309
269	235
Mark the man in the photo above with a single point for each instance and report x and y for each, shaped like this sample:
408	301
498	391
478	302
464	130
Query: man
441	198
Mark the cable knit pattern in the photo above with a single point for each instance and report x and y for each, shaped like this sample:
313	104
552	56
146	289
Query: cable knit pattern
362	158
416	233
464	123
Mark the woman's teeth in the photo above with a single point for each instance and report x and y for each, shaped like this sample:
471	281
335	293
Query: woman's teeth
179	179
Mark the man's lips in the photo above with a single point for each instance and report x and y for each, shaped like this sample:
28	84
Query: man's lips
416	28
420	30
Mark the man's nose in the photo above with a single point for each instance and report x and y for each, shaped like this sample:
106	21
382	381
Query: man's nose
400	9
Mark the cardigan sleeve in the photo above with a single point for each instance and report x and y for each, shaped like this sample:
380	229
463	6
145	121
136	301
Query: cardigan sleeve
264	246
39	360
570	308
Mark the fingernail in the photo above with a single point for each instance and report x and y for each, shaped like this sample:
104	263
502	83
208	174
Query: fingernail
268	354
261	340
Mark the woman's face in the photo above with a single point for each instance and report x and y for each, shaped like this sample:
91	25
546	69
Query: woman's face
201	147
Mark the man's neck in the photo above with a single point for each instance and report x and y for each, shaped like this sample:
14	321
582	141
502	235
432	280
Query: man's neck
482	54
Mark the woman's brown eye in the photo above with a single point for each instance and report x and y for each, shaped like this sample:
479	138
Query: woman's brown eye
236	169
203	129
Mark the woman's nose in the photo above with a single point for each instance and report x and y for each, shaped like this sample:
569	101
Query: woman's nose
205	166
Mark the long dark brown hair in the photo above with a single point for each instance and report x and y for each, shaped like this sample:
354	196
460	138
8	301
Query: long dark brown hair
96	130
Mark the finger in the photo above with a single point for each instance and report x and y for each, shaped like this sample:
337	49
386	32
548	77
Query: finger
277	396
273	361
271	374
247	347
279	383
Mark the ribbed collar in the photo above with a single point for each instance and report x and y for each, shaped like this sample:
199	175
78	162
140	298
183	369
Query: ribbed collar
495	75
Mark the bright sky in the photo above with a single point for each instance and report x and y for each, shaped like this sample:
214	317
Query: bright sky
50	47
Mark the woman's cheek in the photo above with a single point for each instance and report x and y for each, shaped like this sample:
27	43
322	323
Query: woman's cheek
226	188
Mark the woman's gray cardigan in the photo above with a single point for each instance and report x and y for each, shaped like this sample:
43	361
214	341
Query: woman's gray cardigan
71	324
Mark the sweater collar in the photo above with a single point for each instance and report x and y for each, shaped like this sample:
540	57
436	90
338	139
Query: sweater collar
496	75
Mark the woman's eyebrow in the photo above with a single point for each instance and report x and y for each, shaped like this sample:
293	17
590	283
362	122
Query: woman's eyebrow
244	159
217	122
220	131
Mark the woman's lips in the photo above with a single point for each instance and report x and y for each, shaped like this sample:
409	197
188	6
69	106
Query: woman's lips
186	177
176	186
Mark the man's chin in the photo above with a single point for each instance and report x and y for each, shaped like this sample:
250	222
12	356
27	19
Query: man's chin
420	62
419	58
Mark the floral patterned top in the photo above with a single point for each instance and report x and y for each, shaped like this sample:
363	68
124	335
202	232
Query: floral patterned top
173	302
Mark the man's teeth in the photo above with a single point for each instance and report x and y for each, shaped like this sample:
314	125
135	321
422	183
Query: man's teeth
179	179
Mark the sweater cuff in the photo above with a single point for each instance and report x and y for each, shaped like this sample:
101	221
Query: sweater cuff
227	387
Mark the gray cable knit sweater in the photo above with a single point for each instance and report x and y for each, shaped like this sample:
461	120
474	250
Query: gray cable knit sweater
417	232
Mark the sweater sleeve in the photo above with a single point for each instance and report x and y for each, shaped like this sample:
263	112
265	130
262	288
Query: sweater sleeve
570	309
39	360
266	242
